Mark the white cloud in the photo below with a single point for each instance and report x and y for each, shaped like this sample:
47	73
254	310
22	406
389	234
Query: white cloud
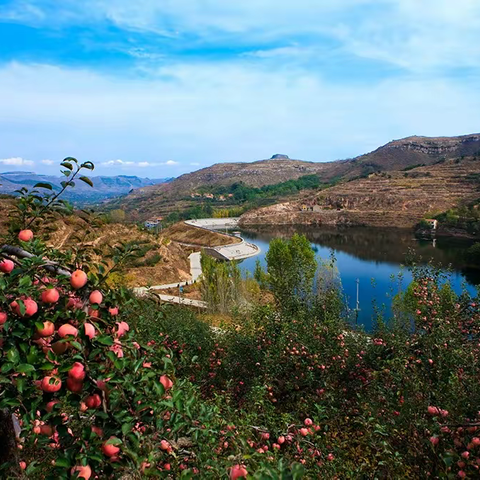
17	162
194	164
111	163
48	162
221	112
129	164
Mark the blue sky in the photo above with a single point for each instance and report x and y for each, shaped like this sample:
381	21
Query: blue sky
161	87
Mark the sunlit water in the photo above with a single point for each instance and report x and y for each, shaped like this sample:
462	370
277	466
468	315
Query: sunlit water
375	258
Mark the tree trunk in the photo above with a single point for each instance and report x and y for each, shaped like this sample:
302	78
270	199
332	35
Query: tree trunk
8	443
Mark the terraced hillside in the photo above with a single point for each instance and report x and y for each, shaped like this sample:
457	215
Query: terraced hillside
394	156
399	198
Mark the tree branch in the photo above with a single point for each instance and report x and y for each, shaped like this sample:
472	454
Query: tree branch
48	265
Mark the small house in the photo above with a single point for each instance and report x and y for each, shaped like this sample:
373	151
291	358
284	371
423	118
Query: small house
154	222
432	223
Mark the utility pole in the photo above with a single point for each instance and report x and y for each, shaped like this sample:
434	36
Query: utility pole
357	308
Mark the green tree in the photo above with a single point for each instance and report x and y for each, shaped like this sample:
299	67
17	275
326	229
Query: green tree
117	215
291	267
221	284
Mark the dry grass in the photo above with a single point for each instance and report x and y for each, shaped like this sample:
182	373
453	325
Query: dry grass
181	232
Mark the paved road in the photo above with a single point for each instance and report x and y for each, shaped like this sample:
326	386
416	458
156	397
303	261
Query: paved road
237	251
183	301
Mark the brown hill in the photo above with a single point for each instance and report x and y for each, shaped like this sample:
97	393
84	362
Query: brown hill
397	198
173	196
163	260
396	155
404	153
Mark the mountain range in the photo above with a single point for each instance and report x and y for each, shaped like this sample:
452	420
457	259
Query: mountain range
398	155
104	187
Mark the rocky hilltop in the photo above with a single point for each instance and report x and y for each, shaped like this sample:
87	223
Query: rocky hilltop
394	156
400	154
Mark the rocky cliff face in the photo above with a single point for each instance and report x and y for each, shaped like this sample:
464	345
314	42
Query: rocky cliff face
446	146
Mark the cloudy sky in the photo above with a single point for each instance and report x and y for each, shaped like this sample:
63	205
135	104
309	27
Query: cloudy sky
160	87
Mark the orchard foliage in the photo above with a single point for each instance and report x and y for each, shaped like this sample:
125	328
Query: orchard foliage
89	400
402	402
105	385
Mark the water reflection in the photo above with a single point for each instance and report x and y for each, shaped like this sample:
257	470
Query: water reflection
375	256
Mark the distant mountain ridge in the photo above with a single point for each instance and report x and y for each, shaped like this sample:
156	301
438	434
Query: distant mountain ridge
396	155
104	187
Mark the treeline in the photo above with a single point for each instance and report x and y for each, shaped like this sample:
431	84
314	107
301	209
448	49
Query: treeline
244	193
465	217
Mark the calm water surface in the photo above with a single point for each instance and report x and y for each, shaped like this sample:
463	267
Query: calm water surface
375	257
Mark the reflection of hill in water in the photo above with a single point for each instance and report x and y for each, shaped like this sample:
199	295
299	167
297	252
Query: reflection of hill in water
380	245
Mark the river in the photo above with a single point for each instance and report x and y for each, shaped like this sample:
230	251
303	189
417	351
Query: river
375	257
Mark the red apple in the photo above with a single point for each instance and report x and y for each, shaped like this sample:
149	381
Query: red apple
6	266
89	330
74	385
60	347
51	384
77	372
47	330
78	279
50	405
96	297
81	471
166	382
122	329
93	401
3	318
67	329
110	450
51	295
25	235
31	307
238	471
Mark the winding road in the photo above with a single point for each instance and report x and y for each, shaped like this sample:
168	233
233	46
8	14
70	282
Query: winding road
236	251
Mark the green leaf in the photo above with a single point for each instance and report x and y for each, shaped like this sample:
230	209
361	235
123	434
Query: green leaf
20	383
105	340
87	165
48	186
67	165
22	305
87	181
13	356
24	282
6	367
25	368
47	366
62	462
76	345
126	427
113	441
